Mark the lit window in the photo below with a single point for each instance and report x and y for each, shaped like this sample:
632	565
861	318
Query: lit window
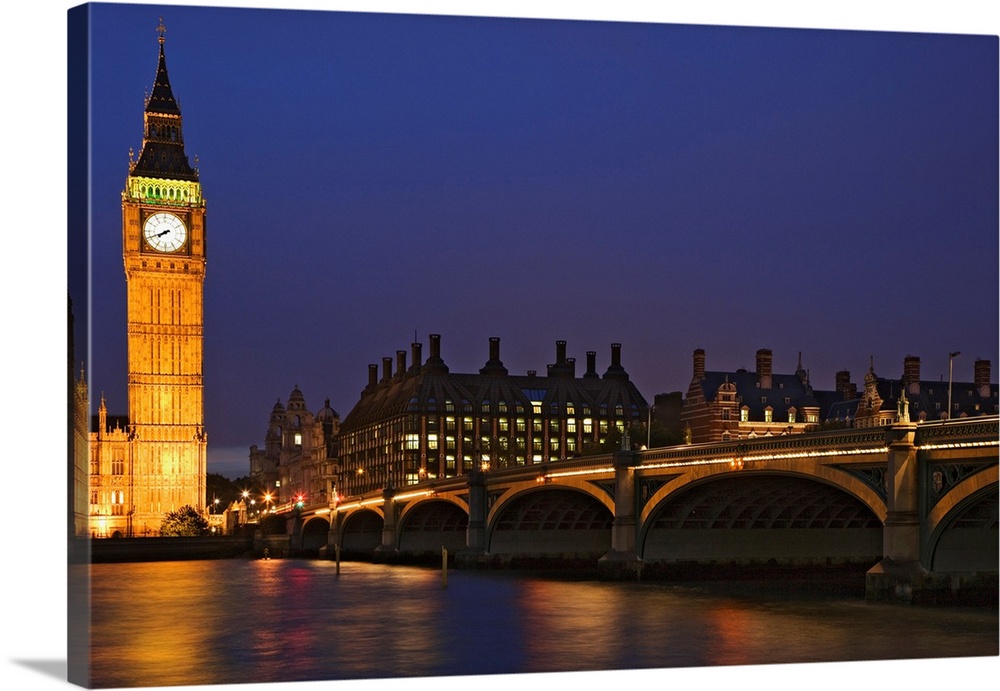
744	414
768	414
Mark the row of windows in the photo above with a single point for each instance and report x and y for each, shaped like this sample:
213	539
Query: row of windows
501	407
370	438
769	415
117	497
117	466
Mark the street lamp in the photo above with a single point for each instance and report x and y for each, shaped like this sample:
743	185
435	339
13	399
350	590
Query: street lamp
951	356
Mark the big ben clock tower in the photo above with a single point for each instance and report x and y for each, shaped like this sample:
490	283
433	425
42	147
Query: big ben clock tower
163	247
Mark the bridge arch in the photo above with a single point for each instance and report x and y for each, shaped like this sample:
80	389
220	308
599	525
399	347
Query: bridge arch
545	521
360	531
829	473
962	526
760	517
425	526
315	533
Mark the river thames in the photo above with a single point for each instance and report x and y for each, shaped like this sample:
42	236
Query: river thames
280	620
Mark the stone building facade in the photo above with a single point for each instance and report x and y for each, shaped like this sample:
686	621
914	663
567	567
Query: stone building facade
299	458
885	401
740	404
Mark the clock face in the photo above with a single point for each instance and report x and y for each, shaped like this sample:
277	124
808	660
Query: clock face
164	232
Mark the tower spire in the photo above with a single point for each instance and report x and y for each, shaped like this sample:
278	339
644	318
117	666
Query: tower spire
162	154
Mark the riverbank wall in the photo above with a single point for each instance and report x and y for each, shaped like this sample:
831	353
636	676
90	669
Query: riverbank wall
114	550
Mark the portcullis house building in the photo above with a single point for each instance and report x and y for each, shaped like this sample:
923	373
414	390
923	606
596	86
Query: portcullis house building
420	421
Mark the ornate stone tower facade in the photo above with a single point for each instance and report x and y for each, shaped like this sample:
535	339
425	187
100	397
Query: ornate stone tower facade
163	247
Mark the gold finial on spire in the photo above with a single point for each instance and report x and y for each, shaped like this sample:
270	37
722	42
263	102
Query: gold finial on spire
161	30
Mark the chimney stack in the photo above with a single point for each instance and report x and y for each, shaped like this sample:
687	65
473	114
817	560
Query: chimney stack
400	363
372	376
911	374
493	365
560	352
435	340
699	364
845	388
616	355
415	349
591	364
764	359
386	368
981	377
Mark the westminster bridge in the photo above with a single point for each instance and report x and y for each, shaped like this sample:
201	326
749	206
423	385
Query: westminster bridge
915	504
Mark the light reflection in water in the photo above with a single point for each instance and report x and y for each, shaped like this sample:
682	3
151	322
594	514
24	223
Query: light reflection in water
238	621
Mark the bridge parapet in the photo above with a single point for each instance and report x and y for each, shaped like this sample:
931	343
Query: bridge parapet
963	431
858	441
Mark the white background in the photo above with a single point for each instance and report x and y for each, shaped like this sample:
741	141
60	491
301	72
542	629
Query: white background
32	166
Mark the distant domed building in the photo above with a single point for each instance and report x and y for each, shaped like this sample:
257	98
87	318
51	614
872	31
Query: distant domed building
299	457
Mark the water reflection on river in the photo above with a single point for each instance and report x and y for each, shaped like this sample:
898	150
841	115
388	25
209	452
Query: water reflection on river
236	621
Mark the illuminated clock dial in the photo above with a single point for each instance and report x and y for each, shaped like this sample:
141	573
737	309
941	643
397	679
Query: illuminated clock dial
164	232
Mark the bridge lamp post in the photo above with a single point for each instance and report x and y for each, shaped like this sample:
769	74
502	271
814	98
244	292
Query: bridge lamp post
649	426
951	357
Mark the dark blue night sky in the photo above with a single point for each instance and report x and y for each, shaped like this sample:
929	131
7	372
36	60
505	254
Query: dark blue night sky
667	187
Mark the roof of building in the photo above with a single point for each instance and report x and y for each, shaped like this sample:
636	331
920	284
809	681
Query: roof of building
431	387
786	390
